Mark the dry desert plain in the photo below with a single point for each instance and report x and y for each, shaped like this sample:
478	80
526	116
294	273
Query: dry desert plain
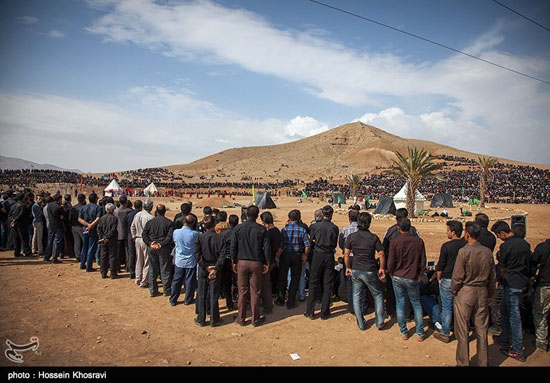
83	320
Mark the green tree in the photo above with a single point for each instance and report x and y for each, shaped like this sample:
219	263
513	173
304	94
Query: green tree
353	181
418	165
485	164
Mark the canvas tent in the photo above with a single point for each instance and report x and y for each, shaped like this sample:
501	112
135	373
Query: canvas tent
338	198
113	189
400	199
150	190
442	200
385	206
263	201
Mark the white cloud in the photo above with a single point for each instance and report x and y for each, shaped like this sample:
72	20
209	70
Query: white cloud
26	20
55	34
150	126
300	127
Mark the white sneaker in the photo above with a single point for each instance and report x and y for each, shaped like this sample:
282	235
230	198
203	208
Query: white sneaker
438	326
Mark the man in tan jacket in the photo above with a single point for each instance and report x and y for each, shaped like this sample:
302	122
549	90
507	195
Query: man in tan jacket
473	284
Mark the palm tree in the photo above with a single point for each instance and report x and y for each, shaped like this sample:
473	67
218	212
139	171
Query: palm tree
418	165
485	163
353	181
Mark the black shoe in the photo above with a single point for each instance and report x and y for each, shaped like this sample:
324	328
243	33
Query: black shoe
173	303
236	320
114	276
259	322
82	267
309	316
56	261
167	293
200	324
103	276
325	317
132	276
279	302
144	287
216	323
189	303
154	294
91	270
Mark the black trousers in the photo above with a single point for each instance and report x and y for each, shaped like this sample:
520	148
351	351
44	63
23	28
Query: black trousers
160	264
22	240
322	266
208	292
289	260
108	259
122	251
227	283
131	264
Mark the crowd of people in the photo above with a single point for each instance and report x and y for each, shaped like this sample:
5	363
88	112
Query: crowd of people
249	262
459	177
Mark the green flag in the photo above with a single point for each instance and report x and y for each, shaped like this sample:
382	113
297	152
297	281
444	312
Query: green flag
304	194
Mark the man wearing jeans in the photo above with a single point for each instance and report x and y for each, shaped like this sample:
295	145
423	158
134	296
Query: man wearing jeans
344	233
185	263
406	265
445	265
364	245
89	217
514	257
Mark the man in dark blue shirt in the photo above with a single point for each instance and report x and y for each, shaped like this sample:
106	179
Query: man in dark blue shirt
89	217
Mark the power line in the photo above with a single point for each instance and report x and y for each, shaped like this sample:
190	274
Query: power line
428	40
519	14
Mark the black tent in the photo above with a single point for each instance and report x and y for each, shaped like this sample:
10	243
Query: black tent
338	198
442	200
263	201
385	206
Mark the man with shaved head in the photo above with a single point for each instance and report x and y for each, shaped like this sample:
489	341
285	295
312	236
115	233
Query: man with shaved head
107	234
157	235
142	257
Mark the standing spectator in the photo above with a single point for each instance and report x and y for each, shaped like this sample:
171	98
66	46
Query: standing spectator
275	243
68	241
324	235
157	235
207	211
122	230
142	254
406	265
107	234
514	259
227	282
346	231
209	263
18	220
295	247
89	217
541	308
444	267
38	225
55	229
130	241
364	271
185	263
4	210
473	283
76	226
250	254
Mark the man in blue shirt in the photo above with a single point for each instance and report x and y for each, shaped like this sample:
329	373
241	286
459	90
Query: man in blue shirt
185	264
89	217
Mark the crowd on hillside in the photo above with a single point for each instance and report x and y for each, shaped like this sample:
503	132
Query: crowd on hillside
249	262
509	183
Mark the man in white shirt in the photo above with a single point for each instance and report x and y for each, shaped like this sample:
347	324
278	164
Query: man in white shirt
142	261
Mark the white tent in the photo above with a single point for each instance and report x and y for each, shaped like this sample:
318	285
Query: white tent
400	199
151	189
113	189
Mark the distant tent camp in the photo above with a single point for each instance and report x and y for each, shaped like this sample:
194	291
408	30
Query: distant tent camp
151	189
338	198
442	200
385	206
263	200
400	199
113	189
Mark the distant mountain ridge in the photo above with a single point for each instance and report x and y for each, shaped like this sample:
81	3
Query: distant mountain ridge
11	163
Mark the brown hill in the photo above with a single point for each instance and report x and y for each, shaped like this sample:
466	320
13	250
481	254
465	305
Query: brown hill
351	148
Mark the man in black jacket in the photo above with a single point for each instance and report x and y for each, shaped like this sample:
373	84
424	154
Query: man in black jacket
250	253
107	233
18	220
55	229
76	227
209	266
157	235
324	235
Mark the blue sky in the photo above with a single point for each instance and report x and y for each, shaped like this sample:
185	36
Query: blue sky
110	85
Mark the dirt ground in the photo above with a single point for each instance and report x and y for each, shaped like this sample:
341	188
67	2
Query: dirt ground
82	320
